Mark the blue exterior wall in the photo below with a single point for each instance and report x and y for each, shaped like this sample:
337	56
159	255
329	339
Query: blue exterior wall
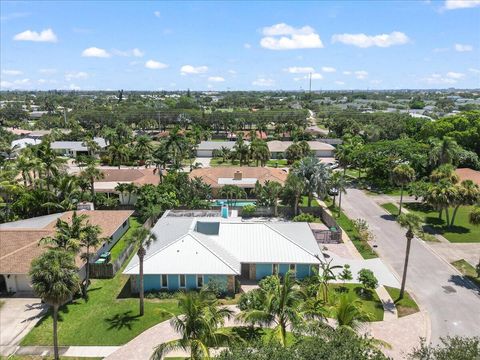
222	279
303	270
262	270
283	269
173	282
191	281
150	282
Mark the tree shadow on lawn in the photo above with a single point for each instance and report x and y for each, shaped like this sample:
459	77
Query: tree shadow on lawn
122	320
126	292
463	281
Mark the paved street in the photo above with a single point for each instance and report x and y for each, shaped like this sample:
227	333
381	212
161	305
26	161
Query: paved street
453	305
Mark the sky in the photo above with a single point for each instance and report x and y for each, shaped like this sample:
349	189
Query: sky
213	45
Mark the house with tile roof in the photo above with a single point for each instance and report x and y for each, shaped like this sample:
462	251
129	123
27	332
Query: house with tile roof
19	242
192	251
468	174
242	176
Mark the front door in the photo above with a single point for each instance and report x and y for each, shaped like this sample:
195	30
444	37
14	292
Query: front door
245	271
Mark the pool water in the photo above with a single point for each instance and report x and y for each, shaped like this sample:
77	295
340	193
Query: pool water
239	203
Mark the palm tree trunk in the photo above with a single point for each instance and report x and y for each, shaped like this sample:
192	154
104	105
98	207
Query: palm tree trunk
339	204
447	215
142	310
275	208
454	215
405	265
295	206
87	274
92	188
401	201
334	198
55	333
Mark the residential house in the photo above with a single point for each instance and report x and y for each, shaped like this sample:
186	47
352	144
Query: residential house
191	252
468	174
206	148
19	243
319	149
74	148
244	177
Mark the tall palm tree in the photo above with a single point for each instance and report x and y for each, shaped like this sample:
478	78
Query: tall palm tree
118	153
200	326
92	146
280	307
51	162
308	170
232	193
24	165
89	240
412	223
443	151
143	147
55	280
341	187
142	239
175	145
272	191
67	235
324	276
241	149
468	193
402	175
91	173
131	189
441	196
260	152
293	190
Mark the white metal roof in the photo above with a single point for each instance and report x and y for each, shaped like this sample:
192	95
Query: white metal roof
182	250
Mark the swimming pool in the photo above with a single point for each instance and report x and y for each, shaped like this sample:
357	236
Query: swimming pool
239	203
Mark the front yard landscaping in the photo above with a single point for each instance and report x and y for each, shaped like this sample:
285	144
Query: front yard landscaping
405	306
122	243
103	319
370	302
304	202
467	270
391	208
461	232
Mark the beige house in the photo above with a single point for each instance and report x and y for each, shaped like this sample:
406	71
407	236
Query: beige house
319	149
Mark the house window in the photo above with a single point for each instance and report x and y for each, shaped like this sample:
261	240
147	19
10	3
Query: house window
182	281
293	267
275	269
164	281
199	281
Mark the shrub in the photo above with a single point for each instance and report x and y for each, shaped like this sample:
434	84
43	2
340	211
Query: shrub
367	278
249	209
218	288
250	300
304	217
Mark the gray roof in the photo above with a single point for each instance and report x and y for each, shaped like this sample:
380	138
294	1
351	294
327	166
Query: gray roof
38	222
215	145
76	145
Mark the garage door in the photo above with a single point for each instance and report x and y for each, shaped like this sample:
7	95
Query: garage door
204	153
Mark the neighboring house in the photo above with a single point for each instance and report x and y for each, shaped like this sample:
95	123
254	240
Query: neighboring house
20	144
190	252
206	148
74	148
246	135
244	177
468	174
19	242
113	177
319	149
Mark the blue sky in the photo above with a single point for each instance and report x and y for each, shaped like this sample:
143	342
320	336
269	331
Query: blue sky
239	45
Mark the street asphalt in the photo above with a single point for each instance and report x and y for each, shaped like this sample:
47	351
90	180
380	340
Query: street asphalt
452	303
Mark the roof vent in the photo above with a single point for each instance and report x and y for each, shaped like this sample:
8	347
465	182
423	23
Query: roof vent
237	175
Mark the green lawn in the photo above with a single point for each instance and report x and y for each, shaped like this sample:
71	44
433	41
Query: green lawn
347	225
304	202
467	270
405	306
38	357
103	319
371	303
277	163
461	232
353	173
122	243
391	208
219	162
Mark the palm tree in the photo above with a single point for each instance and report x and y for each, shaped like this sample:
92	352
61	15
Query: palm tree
443	151
51	162
175	145
118	153
90	239
280	306
142	238
143	147
348	312
24	165
293	190
92	174
55	280
131	189
412	223
468	193
474	217
241	149
224	153
200	326
441	196
325	275
260	152
68	235
232	193
402	175
122	188
344	154
272	191
308	169
341	188
92	146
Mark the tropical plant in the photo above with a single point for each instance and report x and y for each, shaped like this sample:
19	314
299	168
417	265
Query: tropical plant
232	193
292	191
474	216
141	238
346	274
118	153
55	280
314	174
348	312
468	193
89	240
412	223
200	326
402	175
91	173
280	307
367	278
143	147
68	234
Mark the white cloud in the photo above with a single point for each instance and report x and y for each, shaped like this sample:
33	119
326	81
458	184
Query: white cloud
133	52
475	71
264	82
232	72
5	84
95	52
74	87
365	41
328	69
69	76
247	46
155	65
439	50
347	73
300	69
190	69
339	82
438	79
460	4
12	72
47	71
375	82
216	79
46	35
157	13
455	75
14	84
317	76
285	37
361	74
463	47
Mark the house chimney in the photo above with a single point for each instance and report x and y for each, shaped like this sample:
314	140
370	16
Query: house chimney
237	175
